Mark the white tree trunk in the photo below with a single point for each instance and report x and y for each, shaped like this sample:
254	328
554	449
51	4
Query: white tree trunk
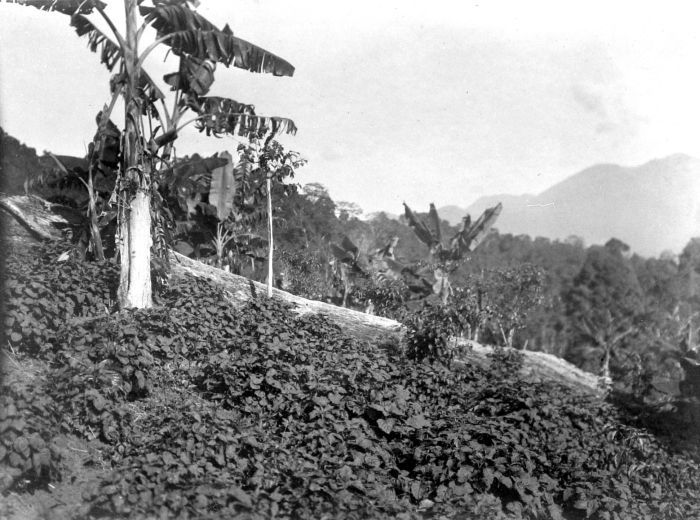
135	221
135	253
269	232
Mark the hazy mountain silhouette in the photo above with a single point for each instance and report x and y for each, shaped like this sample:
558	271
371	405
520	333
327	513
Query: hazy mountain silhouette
652	207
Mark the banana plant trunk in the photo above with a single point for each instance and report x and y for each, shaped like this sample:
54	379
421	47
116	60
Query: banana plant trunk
269	232
134	201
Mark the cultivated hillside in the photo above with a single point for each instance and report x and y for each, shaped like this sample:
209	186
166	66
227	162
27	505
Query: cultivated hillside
194	410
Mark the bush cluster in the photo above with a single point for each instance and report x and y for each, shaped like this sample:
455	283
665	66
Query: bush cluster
27	427
42	293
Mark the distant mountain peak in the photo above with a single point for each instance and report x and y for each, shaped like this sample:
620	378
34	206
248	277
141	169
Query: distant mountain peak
652	207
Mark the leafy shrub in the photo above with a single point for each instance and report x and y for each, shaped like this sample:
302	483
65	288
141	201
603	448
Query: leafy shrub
182	461
389	297
434	325
89	397
304	273
431	332
490	308
503	299
42	293
27	426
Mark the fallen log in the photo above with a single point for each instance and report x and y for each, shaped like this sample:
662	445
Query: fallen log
380	331
42	218
538	366
240	289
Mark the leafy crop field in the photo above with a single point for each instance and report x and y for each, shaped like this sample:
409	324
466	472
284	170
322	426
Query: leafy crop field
195	410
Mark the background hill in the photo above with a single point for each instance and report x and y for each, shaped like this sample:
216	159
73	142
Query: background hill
16	162
652	207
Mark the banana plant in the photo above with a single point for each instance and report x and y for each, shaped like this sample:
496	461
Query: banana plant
467	239
95	238
220	241
347	265
200	46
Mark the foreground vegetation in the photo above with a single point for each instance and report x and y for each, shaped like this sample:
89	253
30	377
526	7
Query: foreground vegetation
194	410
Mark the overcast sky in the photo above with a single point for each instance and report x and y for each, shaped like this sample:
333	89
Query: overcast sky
439	101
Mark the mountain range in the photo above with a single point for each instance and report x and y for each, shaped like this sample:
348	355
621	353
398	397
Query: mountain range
653	207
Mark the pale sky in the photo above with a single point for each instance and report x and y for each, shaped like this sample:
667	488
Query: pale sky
441	101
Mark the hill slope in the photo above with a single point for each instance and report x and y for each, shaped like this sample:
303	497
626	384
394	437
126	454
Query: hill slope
196	410
652	207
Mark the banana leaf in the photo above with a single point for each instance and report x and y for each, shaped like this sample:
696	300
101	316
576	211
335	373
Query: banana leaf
67	7
223	188
195	76
419	227
193	35
435	221
471	235
481	227
107	145
110	53
224	116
